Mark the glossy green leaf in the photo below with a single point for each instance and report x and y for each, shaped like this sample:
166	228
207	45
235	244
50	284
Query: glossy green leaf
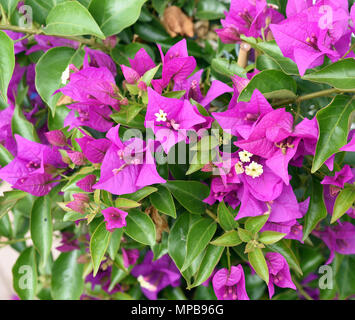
67	276
140	227
21	126
270	237
283	248
227	68
49	70
340	74
140	194
258	262
272	50
115	243
333	122
5	156
225	217
8	201
178	237
254	224
210	10
42	228
7	63
71	19
199	236
189	194
316	209
114	16
24	275
343	202
345	277
245	235
99	242
228	239
272	84
210	260
163	201
126	203
9	6
41	8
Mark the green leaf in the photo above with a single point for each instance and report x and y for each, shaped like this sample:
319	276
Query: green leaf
210	260
340	75
42	228
225	217
21	126
228	239
254	224
67	276
140	194
71	19
316	210
49	70
8	201
7	63
343	202
245	235
333	122
9	6
163	201
5	156
24	275
282	248
140	227
126	203
345	277
270	237
114	16
227	68
99	242
210	10
41	8
258	262
189	194
272	50
5	227
272	84
115	242
178	237
198	238
175	94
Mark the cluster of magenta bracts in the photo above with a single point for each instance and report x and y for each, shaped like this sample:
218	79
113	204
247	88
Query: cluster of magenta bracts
255	177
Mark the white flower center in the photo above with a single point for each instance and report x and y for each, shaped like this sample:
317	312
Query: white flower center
145	284
244	156
161	116
254	170
239	168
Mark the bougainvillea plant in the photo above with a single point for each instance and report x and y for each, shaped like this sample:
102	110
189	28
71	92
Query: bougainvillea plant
178	149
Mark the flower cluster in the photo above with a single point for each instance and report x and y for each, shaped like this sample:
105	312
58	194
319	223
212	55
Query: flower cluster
159	174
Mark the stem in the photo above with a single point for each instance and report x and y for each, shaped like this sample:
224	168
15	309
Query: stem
313	95
212	215
229	259
13	241
90	42
301	290
351	48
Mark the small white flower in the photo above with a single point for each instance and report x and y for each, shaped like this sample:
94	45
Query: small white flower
65	75
239	168
161	116
145	284
254	170
244	156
